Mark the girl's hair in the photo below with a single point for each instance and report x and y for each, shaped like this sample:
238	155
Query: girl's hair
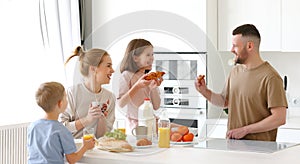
48	95
93	57
134	48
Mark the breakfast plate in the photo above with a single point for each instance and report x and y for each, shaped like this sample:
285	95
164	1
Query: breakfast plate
143	147
182	143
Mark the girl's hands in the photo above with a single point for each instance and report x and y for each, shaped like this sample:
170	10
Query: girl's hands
141	82
159	81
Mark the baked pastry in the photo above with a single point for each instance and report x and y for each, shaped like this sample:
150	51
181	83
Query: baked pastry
200	77
154	75
113	145
143	142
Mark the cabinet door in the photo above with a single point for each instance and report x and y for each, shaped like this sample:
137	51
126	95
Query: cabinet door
216	131
290	26
265	15
288	135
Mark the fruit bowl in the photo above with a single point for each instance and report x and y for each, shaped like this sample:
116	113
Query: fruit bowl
191	130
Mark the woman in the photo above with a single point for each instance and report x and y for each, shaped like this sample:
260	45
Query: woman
96	68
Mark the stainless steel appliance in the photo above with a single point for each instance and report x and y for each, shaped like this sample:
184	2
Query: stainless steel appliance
178	94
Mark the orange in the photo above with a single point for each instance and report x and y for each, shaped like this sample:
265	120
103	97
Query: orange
176	137
188	137
183	130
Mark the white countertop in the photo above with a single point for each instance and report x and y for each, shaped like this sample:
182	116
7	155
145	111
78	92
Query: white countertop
189	155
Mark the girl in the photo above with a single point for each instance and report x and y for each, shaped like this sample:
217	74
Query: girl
134	88
96	68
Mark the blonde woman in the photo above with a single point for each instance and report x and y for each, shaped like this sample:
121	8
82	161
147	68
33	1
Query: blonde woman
96	68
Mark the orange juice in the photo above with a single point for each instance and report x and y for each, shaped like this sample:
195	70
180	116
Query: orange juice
88	136
123	130
164	137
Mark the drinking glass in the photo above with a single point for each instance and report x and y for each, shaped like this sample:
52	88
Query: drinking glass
121	125
88	133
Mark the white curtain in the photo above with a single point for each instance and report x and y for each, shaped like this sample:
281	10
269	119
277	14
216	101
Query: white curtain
60	27
29	58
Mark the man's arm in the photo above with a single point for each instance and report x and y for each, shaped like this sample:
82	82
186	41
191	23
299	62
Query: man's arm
214	98
276	119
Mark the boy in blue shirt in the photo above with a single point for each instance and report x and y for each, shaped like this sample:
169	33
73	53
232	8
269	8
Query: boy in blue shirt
48	139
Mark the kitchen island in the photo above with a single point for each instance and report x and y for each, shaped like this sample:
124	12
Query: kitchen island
187	154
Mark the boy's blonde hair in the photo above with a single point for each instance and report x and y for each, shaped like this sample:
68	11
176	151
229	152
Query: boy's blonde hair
49	94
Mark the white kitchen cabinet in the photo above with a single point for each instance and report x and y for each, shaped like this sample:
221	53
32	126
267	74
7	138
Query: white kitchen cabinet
216	131
265	15
288	135
290	25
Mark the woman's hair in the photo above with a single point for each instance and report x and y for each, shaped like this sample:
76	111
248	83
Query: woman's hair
48	95
92	57
134	48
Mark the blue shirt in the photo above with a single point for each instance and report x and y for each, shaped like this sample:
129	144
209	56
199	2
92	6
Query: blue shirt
48	141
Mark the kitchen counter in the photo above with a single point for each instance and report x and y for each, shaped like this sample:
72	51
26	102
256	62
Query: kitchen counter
189	154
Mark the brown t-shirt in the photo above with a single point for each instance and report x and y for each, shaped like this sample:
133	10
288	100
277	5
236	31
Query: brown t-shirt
251	93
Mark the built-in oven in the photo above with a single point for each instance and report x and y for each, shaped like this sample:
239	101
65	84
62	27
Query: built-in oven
178	94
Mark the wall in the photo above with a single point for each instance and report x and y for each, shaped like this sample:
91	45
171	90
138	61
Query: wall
167	26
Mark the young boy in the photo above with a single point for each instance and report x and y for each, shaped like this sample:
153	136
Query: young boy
48	139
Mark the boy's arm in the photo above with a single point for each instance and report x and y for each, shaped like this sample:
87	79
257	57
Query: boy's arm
74	157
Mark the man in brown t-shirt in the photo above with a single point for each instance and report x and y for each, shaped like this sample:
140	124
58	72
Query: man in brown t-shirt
253	93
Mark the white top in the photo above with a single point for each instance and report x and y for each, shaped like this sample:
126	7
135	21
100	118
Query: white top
80	98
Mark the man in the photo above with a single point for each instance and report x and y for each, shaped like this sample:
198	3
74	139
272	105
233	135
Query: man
253	93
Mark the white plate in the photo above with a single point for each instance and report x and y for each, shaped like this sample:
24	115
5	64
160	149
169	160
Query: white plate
181	143
143	147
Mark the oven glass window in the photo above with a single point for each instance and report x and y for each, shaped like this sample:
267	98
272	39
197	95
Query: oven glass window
178	69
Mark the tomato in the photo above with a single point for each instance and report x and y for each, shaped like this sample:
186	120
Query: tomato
183	130
188	137
176	137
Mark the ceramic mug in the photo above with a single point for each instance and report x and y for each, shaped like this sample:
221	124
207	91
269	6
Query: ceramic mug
140	132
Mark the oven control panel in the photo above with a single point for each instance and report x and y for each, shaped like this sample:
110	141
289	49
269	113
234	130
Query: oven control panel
183	101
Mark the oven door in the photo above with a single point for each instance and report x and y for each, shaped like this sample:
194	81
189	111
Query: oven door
189	117
180	65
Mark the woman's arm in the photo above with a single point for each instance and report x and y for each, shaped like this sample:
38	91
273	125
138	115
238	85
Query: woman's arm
106	122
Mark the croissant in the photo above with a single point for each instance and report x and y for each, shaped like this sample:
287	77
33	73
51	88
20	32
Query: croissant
143	142
200	77
154	75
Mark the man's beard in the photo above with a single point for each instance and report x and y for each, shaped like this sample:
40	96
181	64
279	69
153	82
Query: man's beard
237	61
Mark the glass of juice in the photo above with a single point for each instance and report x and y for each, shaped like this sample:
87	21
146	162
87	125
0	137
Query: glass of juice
88	133
121	125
